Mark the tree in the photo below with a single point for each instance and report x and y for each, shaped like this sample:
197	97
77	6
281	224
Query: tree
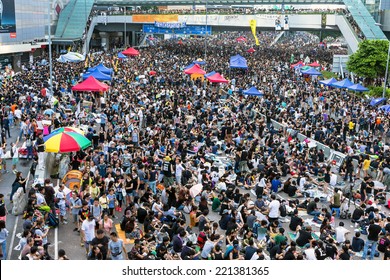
369	61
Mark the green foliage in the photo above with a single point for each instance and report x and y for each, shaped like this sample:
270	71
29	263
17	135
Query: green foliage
328	75
377	92
369	61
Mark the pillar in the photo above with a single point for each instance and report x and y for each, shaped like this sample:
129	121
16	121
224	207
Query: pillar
105	42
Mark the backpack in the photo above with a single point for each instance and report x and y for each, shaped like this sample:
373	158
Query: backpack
201	239
227	252
52	220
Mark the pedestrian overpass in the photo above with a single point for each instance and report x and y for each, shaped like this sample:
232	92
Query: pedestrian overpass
73	19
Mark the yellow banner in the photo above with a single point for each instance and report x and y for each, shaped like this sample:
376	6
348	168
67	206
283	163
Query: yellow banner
252	24
153	18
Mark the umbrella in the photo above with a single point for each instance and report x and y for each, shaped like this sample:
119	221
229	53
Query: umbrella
385	108
253	91
121	55
196	189
358	87
68	129
65	142
342	84
251	50
377	101
328	82
152	73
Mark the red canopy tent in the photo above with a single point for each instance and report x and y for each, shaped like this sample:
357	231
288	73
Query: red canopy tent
298	63
251	50
91	84
241	39
217	78
195	70
131	52
314	64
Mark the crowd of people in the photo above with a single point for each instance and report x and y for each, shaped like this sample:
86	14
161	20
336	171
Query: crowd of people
161	135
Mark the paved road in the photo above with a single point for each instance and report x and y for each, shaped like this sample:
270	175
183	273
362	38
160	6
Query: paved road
64	237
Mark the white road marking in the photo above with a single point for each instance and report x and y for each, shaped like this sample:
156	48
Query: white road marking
56	235
11	245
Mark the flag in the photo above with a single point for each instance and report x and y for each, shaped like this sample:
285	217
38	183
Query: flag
252	24
86	62
116	65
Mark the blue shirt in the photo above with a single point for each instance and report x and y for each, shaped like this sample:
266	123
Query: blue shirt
275	184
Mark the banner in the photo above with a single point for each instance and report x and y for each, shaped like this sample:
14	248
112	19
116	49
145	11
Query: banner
7	17
252	24
170	24
154	18
187	30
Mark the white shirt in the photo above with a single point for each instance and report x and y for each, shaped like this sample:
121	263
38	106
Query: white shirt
179	170
274	209
310	254
340	234
208	246
89	229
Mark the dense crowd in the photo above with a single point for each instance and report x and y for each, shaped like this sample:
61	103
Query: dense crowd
159	136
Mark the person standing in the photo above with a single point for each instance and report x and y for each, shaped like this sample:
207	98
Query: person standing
88	231
116	247
374	229
3	240
40	143
274	206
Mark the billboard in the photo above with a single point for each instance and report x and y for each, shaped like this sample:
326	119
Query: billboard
153	18
188	30
7	16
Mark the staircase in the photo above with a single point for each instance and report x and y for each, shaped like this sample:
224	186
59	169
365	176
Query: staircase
277	38
73	19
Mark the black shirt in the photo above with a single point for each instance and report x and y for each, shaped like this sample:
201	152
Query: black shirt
311	206
101	241
303	238
39	142
295	221
373	232
357	214
2	208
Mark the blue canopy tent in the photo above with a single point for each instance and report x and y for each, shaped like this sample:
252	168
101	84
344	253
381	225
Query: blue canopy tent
101	68
311	72
200	62
189	66
377	101
238	61
328	82
253	91
385	108
210	74
97	75
342	84
358	87
121	55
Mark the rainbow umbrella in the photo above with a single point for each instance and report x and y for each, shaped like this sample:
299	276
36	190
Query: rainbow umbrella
65	142
68	129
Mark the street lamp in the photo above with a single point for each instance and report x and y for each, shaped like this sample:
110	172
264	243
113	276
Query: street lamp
50	55
205	38
387	66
